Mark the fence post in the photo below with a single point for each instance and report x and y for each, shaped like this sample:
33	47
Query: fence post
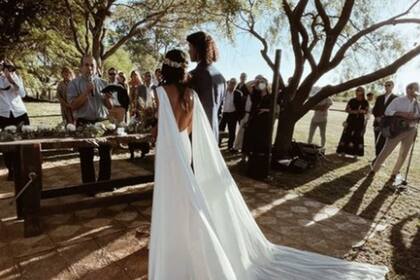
275	92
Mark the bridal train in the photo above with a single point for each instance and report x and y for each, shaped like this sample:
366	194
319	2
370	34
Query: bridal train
202	228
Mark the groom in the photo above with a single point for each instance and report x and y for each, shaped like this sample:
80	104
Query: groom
206	80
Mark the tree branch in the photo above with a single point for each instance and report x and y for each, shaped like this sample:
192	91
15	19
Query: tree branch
323	14
264	52
339	56
135	30
73	28
369	78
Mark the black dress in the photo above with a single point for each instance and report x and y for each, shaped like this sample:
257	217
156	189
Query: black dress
257	130
351	142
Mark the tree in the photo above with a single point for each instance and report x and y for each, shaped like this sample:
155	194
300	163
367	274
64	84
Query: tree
16	20
108	25
324	36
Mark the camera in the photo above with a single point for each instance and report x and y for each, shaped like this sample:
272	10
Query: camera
9	67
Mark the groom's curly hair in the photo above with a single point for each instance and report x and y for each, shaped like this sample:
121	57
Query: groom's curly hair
205	45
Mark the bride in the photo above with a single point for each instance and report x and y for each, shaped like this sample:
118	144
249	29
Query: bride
201	227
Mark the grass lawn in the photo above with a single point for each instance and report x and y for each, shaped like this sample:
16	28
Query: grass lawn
342	182
36	109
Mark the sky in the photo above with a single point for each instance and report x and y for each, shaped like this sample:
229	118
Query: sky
243	55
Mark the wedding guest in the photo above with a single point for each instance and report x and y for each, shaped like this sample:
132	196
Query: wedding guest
145	93
158	77
117	112
134	84
122	80
90	106
242	86
408	108
378	111
231	110
206	80
352	142
244	117
12	108
369	98
258	127
319	120
66	112
112	76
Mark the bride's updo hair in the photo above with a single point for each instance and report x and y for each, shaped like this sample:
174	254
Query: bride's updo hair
174	71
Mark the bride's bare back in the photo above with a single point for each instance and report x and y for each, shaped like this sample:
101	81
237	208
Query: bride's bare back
183	114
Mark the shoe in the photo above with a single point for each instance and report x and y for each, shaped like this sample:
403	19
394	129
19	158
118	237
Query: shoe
391	180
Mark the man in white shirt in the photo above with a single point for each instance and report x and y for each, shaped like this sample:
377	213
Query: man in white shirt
231	110
320	119
408	108
12	109
145	93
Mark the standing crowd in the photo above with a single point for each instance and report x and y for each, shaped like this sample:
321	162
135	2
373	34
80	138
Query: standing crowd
242	107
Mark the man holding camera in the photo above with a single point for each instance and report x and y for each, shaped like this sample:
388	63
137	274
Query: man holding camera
12	109
408	108
89	106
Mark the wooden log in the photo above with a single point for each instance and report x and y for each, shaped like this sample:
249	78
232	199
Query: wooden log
97	186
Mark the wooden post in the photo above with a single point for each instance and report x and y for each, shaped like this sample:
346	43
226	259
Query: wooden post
29	203
275	92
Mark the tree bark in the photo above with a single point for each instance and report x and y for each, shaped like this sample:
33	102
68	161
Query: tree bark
285	128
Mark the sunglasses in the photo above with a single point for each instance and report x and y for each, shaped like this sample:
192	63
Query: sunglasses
112	74
388	85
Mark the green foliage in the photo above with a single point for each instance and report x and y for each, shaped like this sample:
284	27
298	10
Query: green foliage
17	18
121	60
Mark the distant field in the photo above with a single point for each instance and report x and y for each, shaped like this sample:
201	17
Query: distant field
42	109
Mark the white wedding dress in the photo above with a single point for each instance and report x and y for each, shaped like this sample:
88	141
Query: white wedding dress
201	227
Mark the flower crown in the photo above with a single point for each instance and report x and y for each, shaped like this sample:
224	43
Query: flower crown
175	64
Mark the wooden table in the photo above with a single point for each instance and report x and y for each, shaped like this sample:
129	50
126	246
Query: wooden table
29	159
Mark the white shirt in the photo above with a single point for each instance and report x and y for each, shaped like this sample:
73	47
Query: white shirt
403	104
322	115
386	97
228	105
11	97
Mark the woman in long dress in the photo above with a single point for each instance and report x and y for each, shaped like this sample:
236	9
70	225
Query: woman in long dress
201	227
66	111
352	139
258	127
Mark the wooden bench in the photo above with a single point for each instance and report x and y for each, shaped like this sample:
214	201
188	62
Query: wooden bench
29	161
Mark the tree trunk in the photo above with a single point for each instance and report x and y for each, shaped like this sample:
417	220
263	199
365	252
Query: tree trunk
284	136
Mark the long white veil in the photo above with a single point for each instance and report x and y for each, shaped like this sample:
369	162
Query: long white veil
201	226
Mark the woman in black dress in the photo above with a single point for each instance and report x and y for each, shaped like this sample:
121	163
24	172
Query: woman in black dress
258	127
351	142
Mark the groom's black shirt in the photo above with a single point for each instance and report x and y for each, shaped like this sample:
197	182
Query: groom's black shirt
210	86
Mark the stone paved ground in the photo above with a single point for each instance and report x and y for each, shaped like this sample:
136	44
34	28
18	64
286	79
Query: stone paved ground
102	243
